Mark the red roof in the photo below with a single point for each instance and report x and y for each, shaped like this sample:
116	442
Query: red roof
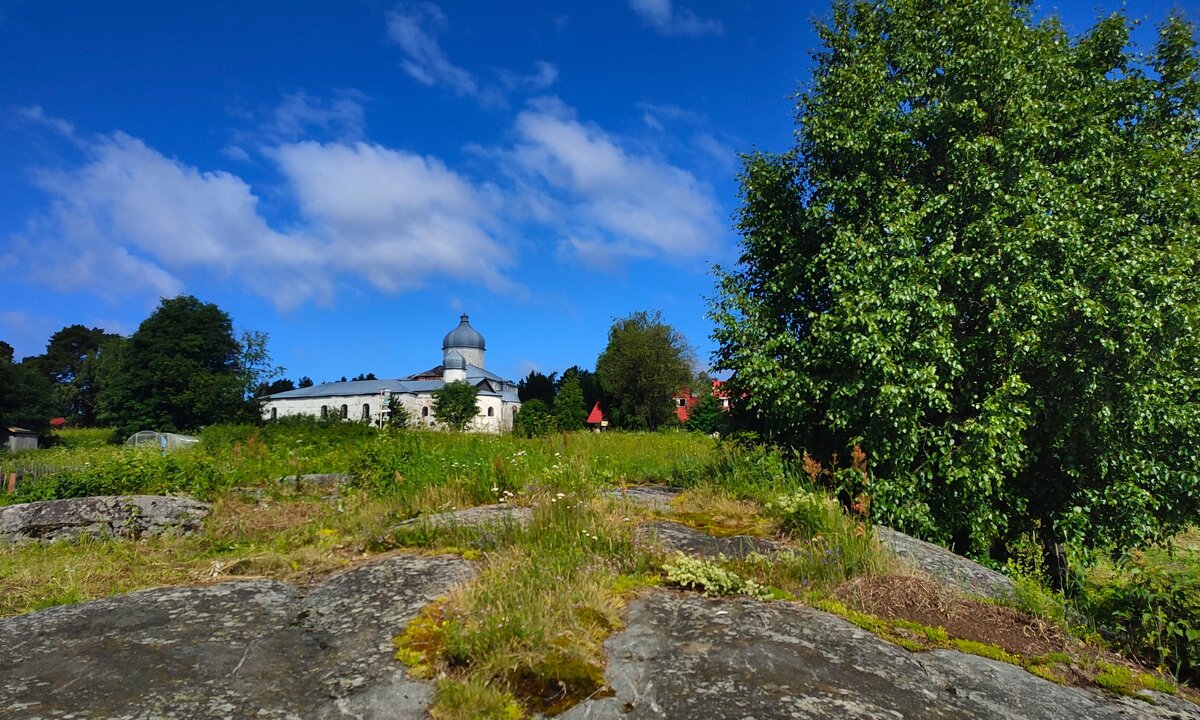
58	421
596	417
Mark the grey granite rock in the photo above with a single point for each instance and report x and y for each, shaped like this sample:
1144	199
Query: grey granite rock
471	517
675	537
945	566
687	657
254	649
125	516
652	497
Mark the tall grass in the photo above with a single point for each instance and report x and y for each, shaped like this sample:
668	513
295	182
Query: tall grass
533	624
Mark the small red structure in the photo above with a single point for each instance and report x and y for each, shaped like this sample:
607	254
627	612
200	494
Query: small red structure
596	418
58	422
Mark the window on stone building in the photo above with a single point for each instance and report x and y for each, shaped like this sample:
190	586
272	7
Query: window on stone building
274	413
366	411
424	412
345	412
324	412
491	412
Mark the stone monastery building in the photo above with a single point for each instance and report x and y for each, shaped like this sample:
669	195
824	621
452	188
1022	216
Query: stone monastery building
367	400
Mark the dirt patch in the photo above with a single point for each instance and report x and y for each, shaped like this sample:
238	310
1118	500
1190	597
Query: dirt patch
923	601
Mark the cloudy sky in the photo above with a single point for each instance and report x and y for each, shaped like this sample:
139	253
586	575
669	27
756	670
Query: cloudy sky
350	176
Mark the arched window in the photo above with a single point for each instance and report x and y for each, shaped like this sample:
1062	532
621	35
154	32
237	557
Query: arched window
491	412
274	413
324	412
366	411
345	412
424	412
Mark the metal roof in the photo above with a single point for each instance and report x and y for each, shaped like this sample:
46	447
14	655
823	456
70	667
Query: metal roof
395	387
463	336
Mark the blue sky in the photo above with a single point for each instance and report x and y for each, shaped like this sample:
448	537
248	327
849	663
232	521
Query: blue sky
348	177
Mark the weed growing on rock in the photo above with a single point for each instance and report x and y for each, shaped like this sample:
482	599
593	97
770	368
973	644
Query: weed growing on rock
710	578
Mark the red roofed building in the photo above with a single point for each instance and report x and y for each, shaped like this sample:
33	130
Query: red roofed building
685	400
596	418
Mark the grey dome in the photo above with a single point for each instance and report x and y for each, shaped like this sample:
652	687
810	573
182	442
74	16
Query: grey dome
463	336
454	361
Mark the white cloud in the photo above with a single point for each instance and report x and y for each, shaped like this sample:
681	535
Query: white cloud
393	217
299	114
621	202
36	115
131	222
414	28
675	21
543	76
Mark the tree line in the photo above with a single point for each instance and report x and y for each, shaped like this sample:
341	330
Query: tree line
645	364
181	370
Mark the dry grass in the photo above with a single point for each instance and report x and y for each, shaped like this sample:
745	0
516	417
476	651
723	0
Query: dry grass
293	540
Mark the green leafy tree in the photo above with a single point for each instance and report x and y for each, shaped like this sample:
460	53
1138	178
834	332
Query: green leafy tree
181	370
569	409
537	386
69	363
534	420
26	395
645	362
276	386
454	404
304	382
980	263
707	415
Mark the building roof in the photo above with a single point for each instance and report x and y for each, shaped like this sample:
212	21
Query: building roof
596	415
475	375
463	336
454	361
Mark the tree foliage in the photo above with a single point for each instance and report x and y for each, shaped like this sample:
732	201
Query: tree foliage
588	384
534	420
707	415
537	386
70	364
181	370
454	404
569	409
979	261
645	362
25	394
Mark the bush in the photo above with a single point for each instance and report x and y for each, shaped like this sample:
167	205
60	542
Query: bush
1152	606
534	420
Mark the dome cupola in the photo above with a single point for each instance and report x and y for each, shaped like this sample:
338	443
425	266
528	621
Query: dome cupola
465	341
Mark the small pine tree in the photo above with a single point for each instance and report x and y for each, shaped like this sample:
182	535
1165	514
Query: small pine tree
569	410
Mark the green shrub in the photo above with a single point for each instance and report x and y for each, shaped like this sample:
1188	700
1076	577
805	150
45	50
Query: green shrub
1152	606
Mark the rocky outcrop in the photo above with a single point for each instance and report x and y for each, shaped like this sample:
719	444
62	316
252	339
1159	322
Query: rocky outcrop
946	567
123	516
685	656
657	498
251	649
473	517
674	537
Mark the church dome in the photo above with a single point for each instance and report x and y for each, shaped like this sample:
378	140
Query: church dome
463	336
454	361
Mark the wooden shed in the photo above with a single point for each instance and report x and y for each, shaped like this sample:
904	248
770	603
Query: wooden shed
15	438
